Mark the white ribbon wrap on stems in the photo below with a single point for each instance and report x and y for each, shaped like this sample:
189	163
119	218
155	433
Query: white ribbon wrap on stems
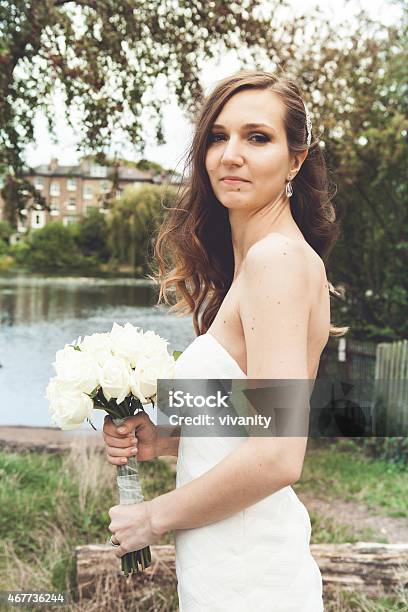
130	489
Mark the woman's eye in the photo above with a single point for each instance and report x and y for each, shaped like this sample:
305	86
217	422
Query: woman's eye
213	137
262	137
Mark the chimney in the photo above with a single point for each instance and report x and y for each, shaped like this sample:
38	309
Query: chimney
53	165
85	165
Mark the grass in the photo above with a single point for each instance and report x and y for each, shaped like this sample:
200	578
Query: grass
346	601
52	503
327	530
342	470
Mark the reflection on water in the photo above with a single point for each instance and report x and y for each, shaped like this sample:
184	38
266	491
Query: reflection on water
40	315
32	299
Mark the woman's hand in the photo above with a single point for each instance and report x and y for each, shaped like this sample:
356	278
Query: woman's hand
131	526
137	436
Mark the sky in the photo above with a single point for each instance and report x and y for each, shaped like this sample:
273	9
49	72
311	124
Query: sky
177	129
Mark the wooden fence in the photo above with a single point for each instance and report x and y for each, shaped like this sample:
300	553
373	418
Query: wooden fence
385	368
348	359
391	388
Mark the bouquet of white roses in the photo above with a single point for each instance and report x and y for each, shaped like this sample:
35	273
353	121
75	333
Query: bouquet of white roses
116	371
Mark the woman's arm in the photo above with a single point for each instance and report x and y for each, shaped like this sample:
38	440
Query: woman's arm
274	310
245	476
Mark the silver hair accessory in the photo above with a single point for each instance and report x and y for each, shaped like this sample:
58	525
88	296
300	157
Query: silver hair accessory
308	126
288	187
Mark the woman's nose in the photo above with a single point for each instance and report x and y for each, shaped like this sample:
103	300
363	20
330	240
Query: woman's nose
231	153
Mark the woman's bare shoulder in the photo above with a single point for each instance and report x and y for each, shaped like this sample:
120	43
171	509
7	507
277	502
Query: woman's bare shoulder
300	249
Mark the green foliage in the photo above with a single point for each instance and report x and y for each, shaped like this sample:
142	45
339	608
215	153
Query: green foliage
20	251
393	449
53	249
5	231
121	237
6	263
3	248
91	236
132	220
146	164
365	124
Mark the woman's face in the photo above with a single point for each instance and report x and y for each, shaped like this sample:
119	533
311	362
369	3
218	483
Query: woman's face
258	154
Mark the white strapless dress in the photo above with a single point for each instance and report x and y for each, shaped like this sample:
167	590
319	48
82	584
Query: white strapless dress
259	559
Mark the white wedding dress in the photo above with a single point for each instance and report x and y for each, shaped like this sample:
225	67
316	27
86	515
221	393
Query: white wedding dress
257	560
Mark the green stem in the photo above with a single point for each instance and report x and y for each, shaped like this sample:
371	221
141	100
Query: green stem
125	567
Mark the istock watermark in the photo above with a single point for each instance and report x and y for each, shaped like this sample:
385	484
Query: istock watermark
181	399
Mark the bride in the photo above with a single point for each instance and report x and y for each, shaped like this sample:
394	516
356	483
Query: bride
245	241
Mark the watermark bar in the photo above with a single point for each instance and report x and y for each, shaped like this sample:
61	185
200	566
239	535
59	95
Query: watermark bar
275	407
29	599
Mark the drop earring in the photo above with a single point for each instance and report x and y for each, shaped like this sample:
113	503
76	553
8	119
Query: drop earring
288	189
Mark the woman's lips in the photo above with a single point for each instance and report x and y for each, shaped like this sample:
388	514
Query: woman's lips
232	181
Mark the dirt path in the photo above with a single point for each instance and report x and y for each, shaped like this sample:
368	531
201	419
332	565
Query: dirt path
358	517
51	440
46	439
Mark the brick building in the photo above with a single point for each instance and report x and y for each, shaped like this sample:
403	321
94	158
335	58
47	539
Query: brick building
72	190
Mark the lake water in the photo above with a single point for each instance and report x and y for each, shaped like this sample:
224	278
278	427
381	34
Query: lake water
39	315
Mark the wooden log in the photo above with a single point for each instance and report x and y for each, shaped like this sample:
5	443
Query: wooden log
97	563
367	567
364	566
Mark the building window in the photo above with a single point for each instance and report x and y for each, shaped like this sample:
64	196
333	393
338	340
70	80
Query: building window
54	204
54	188
39	182
71	204
98	171
69	219
71	184
87	192
105	187
37	219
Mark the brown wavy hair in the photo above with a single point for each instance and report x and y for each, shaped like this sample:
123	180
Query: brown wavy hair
193	246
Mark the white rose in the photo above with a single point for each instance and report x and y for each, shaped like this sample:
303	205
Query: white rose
127	342
143	379
68	407
155	346
77	368
114	378
99	346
